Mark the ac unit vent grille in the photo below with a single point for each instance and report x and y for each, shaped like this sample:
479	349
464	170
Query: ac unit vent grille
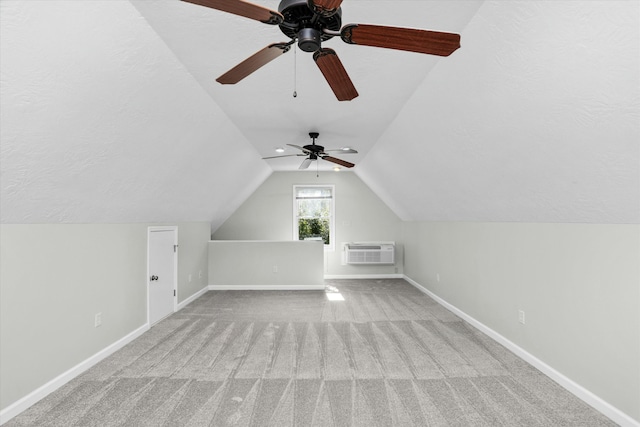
370	254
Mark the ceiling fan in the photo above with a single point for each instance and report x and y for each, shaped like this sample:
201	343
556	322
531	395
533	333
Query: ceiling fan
311	22
314	152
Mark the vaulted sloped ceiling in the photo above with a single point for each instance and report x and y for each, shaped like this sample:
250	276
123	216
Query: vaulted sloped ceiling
101	123
536	119
209	42
110	111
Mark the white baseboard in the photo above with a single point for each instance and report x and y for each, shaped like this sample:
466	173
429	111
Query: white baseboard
192	298
38	394
588	397
266	288
365	276
41	392
582	393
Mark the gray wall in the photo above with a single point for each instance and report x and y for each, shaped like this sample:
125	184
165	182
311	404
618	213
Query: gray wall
265	264
360	216
54	278
193	258
578	284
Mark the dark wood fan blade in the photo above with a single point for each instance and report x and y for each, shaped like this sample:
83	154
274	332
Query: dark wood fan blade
305	164
243	8
412	40
325	7
338	161
335	74
342	150
252	63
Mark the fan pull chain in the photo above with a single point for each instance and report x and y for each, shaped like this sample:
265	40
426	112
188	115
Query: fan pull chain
295	73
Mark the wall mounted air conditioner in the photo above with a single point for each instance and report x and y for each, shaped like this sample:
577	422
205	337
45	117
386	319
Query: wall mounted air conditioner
370	253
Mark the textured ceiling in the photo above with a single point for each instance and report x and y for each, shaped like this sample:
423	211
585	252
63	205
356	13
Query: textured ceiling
536	120
111	113
100	123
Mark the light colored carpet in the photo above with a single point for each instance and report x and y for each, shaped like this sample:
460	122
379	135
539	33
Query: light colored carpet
387	355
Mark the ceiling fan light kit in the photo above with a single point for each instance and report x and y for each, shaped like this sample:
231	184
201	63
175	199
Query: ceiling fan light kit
311	22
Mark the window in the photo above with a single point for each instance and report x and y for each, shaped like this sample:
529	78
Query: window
313	213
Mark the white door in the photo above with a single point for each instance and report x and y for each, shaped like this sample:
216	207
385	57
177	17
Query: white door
162	272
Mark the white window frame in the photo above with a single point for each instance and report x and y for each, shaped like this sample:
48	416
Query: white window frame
332	218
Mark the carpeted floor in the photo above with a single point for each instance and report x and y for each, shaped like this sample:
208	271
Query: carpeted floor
387	355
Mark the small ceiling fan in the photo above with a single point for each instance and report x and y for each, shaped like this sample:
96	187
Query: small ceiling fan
314	152
311	22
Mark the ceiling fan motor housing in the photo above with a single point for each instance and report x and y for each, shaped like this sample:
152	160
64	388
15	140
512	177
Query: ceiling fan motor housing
301	23
309	39
313	148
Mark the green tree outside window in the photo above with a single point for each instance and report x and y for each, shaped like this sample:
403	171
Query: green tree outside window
313	212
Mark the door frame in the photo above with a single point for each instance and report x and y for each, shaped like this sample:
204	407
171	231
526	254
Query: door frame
150	230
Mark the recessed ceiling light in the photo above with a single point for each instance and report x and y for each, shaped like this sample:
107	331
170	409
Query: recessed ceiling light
279	150
336	168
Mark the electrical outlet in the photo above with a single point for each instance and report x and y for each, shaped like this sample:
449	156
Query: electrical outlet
275	268
521	316
189	277
98	320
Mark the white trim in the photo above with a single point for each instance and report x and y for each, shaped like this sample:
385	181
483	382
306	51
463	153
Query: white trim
582	393
373	242
192	298
588	397
41	392
261	241
266	287
162	227
365	276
